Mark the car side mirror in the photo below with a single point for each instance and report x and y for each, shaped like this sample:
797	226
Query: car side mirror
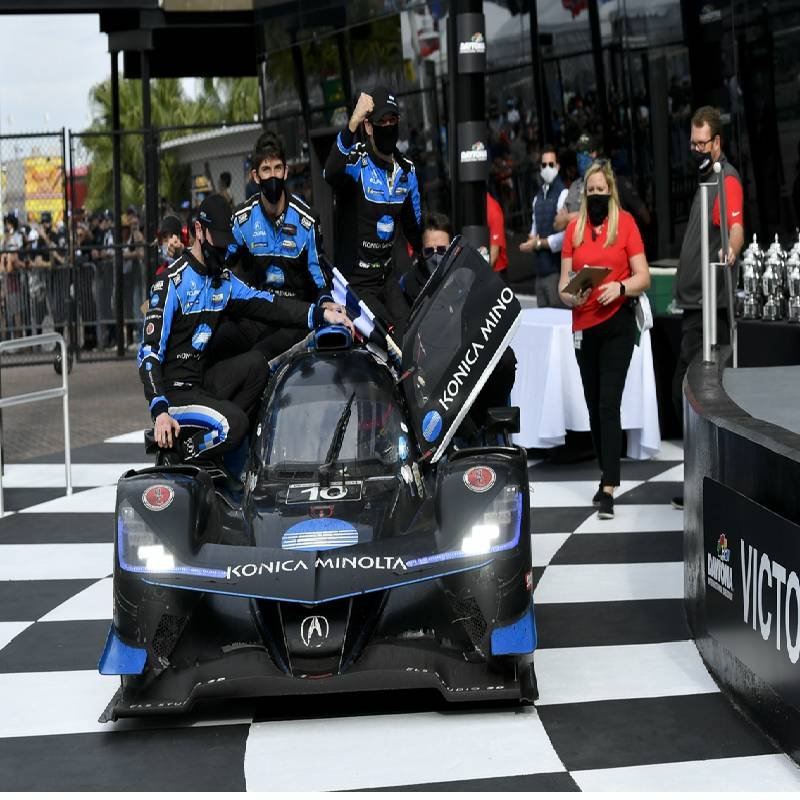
501	419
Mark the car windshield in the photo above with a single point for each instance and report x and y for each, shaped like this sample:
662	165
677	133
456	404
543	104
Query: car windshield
310	402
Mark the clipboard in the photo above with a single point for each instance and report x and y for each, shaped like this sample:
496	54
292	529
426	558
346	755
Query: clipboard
588	277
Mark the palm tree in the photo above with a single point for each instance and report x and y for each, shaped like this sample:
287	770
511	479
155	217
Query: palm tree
220	100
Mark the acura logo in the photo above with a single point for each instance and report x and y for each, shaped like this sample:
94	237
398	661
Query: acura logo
314	631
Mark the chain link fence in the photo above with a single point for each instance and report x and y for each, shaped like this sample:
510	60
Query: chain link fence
68	256
34	247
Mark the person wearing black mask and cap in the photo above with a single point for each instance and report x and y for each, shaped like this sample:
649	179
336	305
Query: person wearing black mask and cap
705	149
376	191
186	306
276	248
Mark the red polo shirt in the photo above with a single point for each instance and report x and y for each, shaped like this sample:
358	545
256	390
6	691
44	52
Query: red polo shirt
594	254
497	231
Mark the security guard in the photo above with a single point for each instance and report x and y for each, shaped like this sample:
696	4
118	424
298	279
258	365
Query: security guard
377	184
186	306
275	249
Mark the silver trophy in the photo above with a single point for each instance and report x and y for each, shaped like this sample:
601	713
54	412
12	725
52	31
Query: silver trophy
752	269
793	267
751	281
770	288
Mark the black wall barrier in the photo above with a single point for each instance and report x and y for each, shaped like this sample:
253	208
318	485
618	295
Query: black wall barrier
742	551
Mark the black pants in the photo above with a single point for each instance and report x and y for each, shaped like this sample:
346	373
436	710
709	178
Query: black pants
223	405
692	346
233	338
603	358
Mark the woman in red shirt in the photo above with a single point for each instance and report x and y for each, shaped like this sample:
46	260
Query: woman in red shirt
604	324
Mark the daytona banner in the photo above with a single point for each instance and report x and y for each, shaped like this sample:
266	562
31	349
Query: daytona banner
752	565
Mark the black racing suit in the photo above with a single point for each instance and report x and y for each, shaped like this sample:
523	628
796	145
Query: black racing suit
280	256
186	306
373	196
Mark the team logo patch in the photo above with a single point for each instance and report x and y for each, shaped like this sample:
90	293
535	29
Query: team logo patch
154	300
479	479
306	222
288	244
432	426
385	228
149	330
241	218
201	337
289	229
158	286
158	497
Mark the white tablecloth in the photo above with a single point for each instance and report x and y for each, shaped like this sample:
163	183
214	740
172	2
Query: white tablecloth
549	392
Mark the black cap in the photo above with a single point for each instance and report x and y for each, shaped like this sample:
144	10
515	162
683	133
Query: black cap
170	226
385	104
215	214
46	217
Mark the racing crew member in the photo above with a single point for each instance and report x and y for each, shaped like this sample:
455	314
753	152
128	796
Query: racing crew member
275	249
376	189
187	304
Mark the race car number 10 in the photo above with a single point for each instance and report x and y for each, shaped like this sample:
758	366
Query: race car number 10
312	492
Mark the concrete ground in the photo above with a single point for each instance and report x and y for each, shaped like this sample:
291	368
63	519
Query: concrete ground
105	399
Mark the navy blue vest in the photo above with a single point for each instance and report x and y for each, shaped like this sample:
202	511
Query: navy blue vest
544	210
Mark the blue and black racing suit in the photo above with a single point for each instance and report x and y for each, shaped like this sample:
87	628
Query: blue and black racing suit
280	256
187	304
373	197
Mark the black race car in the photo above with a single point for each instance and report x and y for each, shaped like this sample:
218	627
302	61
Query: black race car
364	550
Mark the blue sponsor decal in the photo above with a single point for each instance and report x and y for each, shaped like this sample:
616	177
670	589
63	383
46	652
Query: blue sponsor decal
154	301
201	337
402	448
432	426
319	534
385	228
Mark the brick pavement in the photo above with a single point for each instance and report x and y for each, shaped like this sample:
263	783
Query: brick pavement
105	399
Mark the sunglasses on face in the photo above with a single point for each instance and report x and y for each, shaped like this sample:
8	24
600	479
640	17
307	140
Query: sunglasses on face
548	164
440	250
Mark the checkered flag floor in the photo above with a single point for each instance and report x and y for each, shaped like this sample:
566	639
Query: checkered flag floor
625	701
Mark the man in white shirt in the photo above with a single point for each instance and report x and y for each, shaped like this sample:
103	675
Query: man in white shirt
544	241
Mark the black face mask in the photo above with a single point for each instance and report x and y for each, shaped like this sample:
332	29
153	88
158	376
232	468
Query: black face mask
272	189
432	262
213	256
385	138
703	161
597	207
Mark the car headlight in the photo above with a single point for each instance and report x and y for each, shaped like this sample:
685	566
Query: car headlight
140	550
487	534
497	529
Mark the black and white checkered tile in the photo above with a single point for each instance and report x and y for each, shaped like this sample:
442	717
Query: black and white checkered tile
625	701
